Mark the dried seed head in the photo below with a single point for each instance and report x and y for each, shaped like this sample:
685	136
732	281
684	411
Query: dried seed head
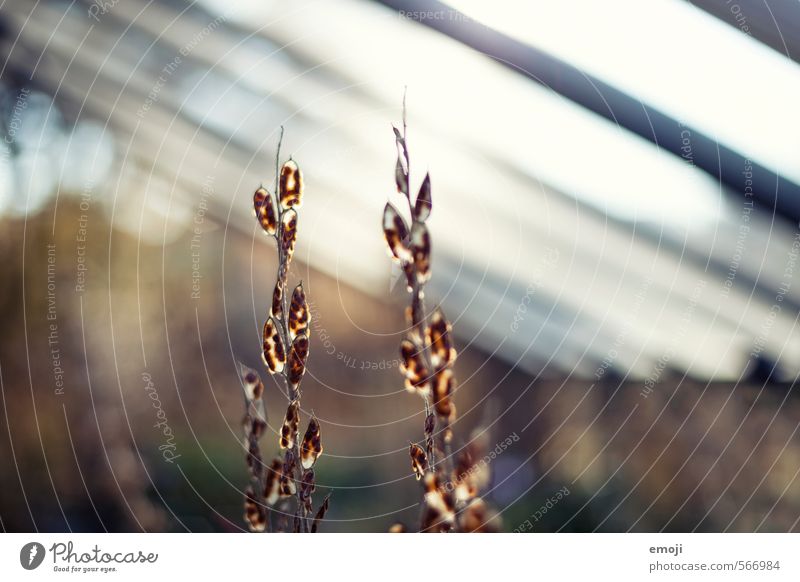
273	354
299	313
288	233
265	211
277	300
251	382
290	424
413	367
419	461
297	360
311	448
323	509
254	513
438	336
288	485
396	233
442	391
421	251
291	186
424	204
272	486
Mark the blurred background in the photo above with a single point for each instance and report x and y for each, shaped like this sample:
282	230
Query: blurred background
615	233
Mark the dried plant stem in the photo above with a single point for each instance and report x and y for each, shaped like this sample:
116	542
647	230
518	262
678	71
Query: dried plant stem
285	351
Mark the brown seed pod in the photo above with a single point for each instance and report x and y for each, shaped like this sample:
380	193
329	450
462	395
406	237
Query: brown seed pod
273	354
443	384
421	251
288	485
424	204
299	314
265	211
290	424
254	461
251	382
307	487
257	427
288	233
419	460
272	486
311	448
396	233
291	186
413	367
438	336
323	509
276	311
297	360
254	513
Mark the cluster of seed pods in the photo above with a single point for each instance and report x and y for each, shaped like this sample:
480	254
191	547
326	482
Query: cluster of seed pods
451	501
285	349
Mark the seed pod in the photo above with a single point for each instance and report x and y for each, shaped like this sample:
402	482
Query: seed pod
254	513
307	487
288	485
401	176
257	427
297	360
323	509
254	461
291	186
421	251
272	487
251	382
276	311
273	354
290	424
299	314
396	233
288	233
413	367
419	461
424	204
438	337
265	211
442	391
311	448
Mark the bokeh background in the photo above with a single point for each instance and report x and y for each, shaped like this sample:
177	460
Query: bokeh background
616	196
